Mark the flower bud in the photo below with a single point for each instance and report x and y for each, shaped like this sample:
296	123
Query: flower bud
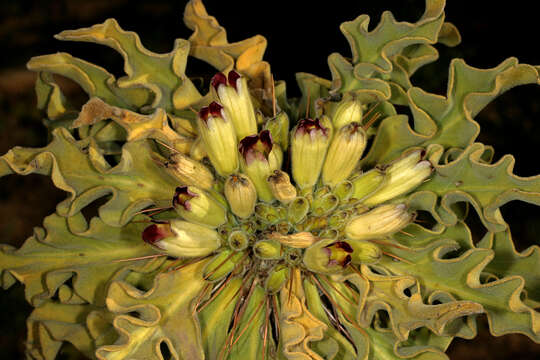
309	142
194	205
343	154
379	222
182	239
367	183
259	158
189	171
277	277
281	187
298	210
402	176
219	138
221	265
324	204
348	111
327	256
279	129
344	190
364	252
268	213
232	91
299	240
241	195
268	249
238	240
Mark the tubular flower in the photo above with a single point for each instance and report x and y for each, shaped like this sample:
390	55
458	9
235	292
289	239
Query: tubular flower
238	223
232	92
219	138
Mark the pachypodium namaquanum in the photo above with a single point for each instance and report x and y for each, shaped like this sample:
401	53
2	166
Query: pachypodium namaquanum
238	223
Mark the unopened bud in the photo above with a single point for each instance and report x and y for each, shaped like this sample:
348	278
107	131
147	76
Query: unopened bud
343	154
309	143
324	204
233	93
268	249
364	252
219	138
348	111
298	210
241	195
182	239
190	172
379	222
281	187
277	277
268	213
221	265
402	176
279	128
259	158
238	240
193	204
367	183
344	190
327	256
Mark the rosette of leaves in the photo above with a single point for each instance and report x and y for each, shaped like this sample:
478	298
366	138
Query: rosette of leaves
239	223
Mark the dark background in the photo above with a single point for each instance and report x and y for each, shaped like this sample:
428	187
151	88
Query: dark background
301	34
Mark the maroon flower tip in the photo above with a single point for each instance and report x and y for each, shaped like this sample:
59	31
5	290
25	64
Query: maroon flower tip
310	126
256	146
343	246
204	113
182	196
218	79
346	261
155	233
215	109
233	78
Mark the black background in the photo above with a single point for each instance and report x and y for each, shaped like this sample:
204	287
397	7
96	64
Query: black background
301	34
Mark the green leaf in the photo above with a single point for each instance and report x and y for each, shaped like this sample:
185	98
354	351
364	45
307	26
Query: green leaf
485	186
93	79
54	255
135	183
217	315
51	324
162	315
460	277
448	121
385	58
209	43
508	261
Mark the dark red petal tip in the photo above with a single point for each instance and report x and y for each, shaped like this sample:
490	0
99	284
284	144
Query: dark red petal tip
182	196
218	79
310	126
233	78
215	109
256	146
155	233
343	246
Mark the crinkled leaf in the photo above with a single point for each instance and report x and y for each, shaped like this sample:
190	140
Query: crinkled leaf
137	126
448	121
93	79
209	43
135	183
460	277
485	186
163	314
298	327
54	255
51	324
508	261
385	58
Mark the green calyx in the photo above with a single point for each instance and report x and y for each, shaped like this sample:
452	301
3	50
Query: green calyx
252	228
